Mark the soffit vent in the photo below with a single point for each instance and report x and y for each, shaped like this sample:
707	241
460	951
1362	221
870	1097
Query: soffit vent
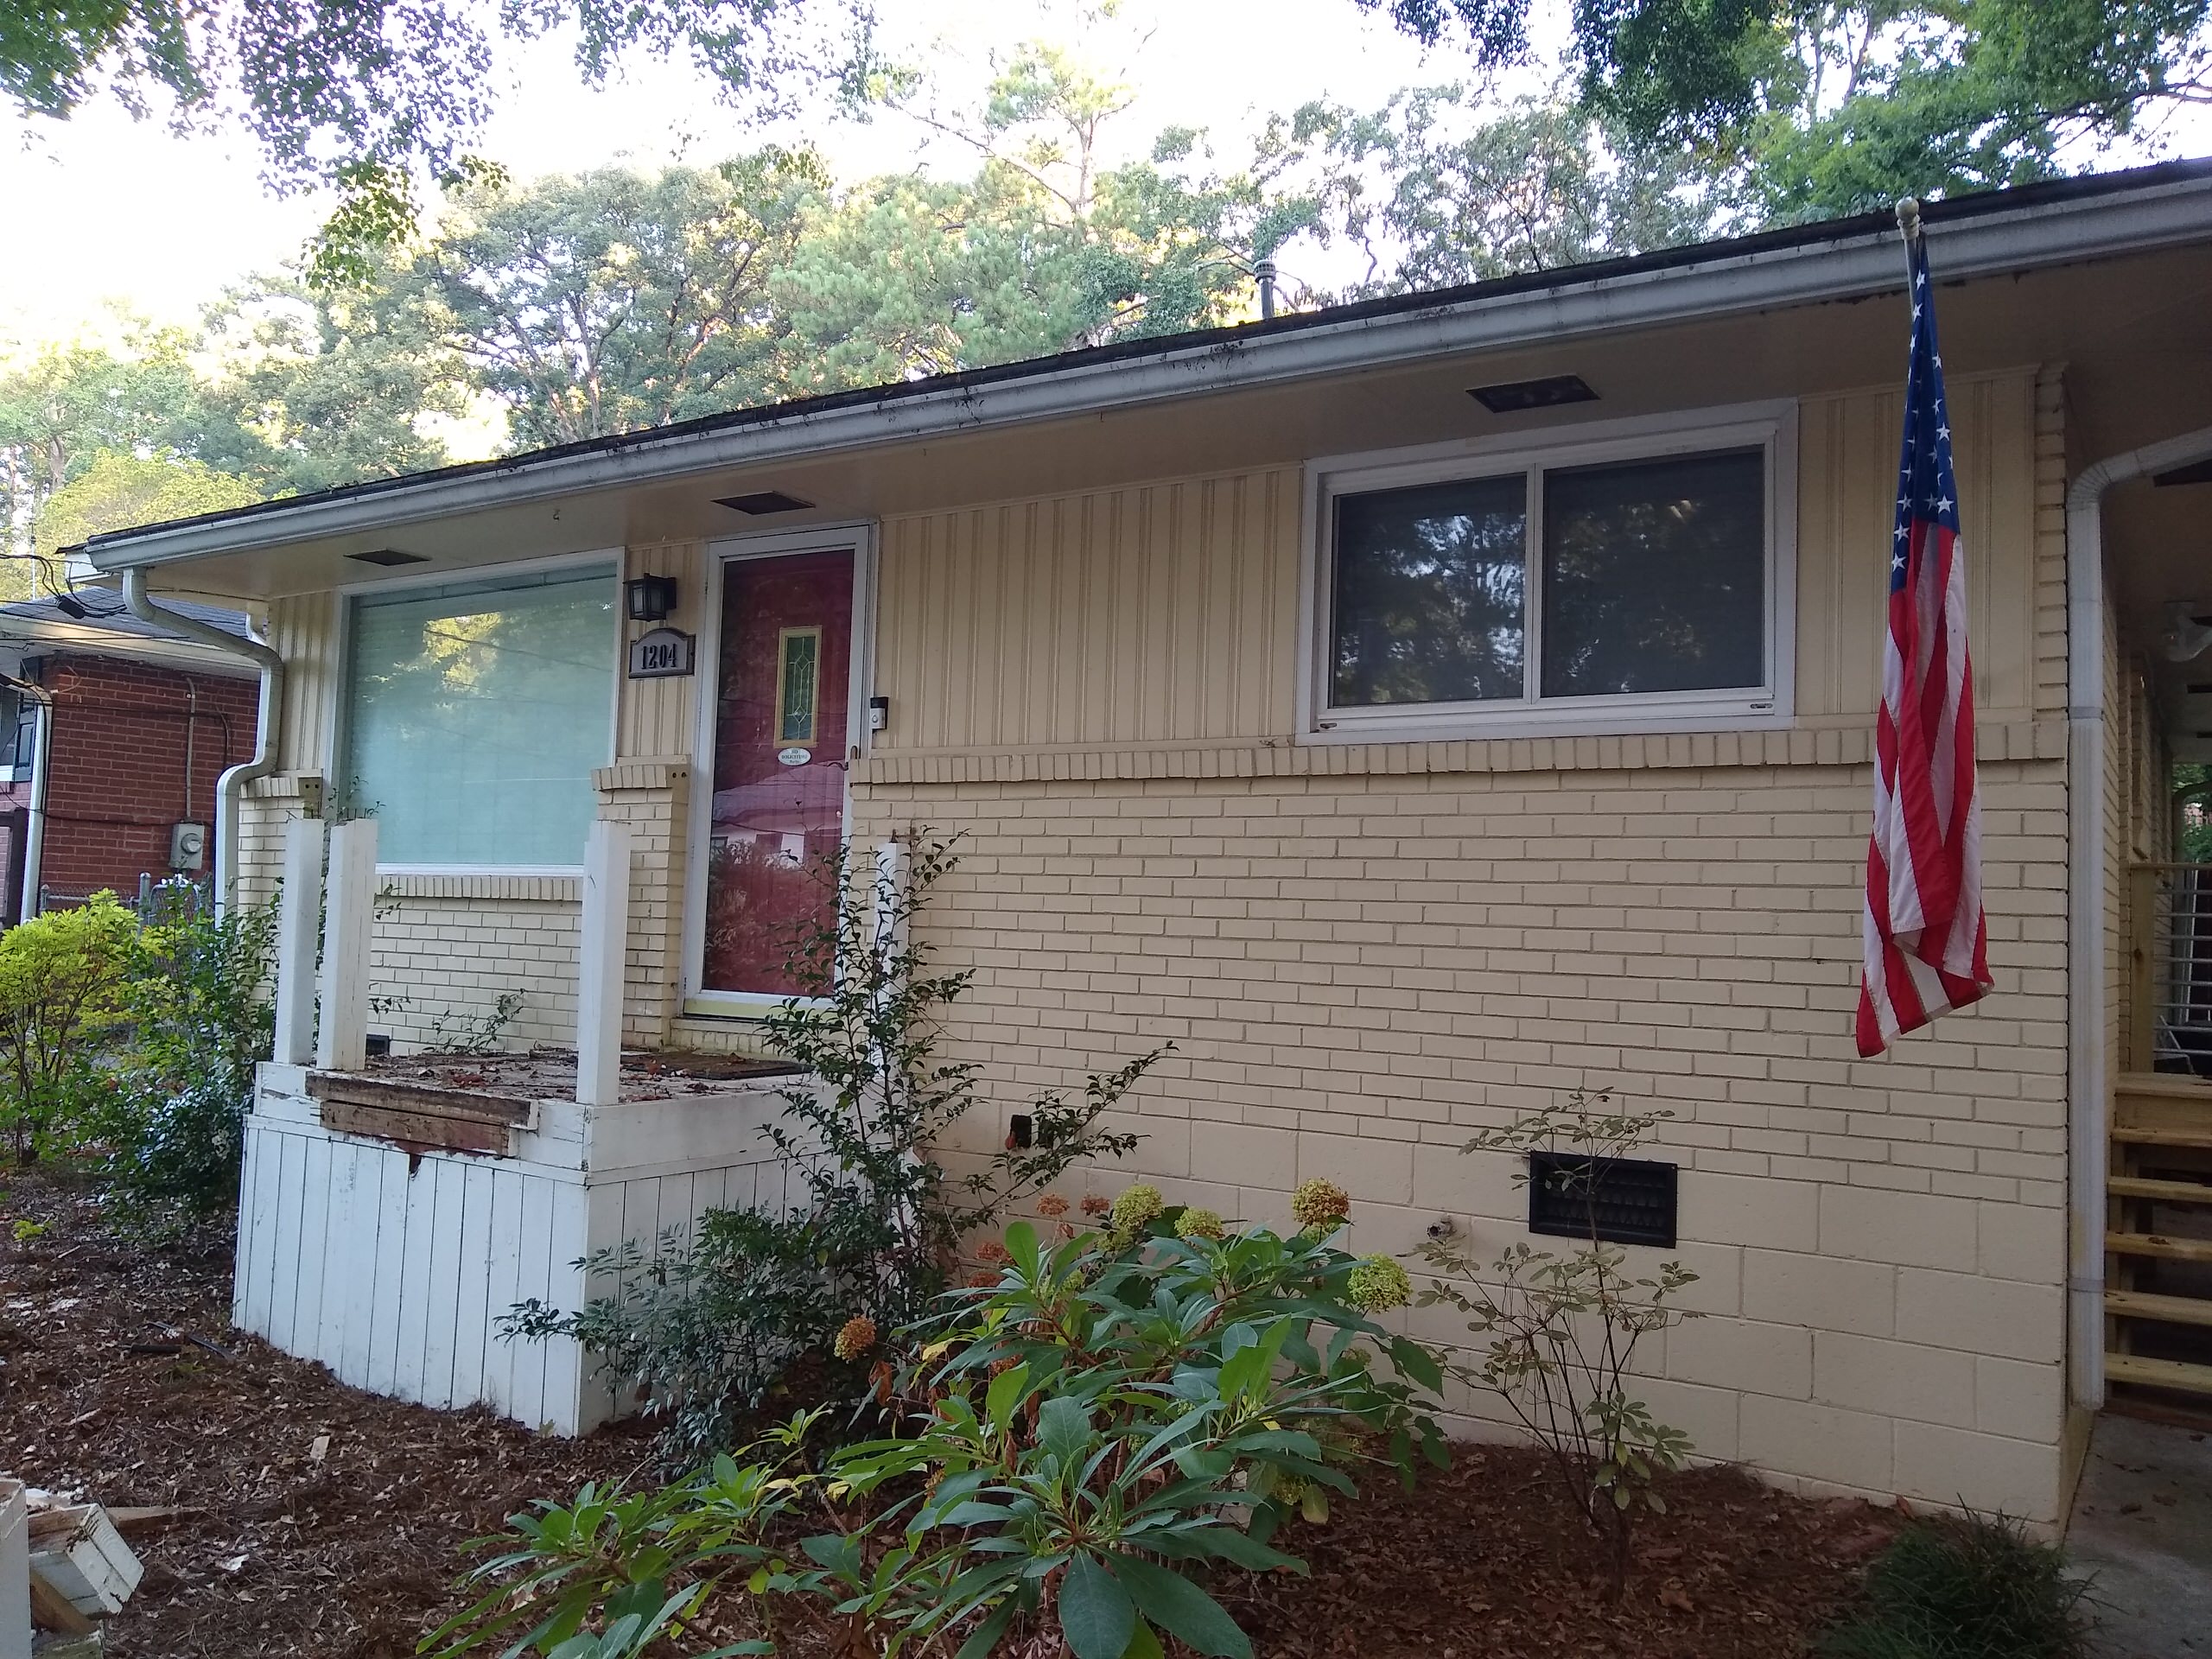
387	556
763	502
1518	397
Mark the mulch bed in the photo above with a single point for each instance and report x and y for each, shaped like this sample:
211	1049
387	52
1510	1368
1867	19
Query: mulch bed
1486	1561
351	1557
354	1555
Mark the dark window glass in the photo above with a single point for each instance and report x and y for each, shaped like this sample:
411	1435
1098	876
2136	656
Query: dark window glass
1655	576
1429	599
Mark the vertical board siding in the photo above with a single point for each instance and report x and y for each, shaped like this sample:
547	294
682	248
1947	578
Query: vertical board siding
396	1271
1169	613
1153	612
655	718
1847	497
304	628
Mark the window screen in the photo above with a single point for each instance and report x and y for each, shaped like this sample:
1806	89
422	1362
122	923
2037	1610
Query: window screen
475	715
1655	576
1431	593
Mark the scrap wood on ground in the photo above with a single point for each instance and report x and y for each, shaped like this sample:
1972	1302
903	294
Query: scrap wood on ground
278	1512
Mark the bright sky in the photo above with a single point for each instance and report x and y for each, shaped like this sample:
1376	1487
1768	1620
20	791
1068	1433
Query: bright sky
111	212
127	213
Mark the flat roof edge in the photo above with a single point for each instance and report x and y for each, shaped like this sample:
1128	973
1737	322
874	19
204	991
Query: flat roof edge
1858	259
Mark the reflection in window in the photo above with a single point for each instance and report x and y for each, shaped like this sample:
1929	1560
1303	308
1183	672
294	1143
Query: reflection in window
1652	572
1429	594
475	715
1655	576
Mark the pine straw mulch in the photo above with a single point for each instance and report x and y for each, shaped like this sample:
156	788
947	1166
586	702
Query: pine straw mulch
354	1555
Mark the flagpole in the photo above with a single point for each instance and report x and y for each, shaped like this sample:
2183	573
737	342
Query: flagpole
1909	223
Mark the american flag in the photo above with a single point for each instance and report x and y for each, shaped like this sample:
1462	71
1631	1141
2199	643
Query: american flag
1927	938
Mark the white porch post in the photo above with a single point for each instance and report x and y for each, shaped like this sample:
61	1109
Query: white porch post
298	930
598	980
342	1039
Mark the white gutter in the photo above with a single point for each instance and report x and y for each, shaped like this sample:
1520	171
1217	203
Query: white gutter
230	788
34	815
1851	267
2089	1078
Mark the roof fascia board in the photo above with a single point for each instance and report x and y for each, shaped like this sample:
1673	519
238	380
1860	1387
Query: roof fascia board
1852	267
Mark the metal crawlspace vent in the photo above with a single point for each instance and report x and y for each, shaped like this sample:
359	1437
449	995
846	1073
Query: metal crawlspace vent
1625	1200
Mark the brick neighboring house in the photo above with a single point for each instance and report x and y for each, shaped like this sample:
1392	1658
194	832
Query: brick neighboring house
142	724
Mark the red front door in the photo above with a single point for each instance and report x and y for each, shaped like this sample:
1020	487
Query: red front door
781	713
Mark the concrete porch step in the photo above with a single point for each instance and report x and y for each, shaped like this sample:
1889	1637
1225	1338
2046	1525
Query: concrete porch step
2141	1186
2158	1373
2142	1305
2166	1249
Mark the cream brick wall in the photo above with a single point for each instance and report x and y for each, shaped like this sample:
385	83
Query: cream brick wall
448	947
1357	973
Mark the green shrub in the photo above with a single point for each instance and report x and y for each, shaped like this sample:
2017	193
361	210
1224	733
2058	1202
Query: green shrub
704	1329
1964	1588
1079	1443
174	1128
61	986
1562	1329
1118	1413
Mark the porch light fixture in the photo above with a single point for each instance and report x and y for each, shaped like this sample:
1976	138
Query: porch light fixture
387	556
1518	397
762	501
649	599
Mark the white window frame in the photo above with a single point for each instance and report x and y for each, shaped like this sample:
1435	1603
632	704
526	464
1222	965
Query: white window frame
339	711
1770	426
860	539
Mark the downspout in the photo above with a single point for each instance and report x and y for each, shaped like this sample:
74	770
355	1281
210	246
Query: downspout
2088	1079
27	904
230	788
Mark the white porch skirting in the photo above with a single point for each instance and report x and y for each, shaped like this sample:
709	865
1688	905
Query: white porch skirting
393	1265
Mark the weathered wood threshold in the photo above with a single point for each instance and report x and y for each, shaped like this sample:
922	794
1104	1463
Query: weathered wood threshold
419	1116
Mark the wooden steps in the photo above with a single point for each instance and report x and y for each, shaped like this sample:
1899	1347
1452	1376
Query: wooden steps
2160	1188
2159	1245
2158	1373
2164	1191
2189	1136
2144	1304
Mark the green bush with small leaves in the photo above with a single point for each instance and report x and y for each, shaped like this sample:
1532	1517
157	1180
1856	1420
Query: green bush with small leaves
1964	1588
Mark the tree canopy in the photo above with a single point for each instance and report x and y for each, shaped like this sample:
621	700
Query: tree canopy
569	308
1835	106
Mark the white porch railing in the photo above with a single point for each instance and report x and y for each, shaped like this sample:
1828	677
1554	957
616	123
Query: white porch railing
2169	1027
322	1006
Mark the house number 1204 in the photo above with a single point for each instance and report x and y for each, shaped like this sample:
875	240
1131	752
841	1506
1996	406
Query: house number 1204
665	653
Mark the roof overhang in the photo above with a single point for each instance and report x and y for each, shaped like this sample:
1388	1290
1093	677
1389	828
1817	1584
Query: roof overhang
1970	238
35	636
